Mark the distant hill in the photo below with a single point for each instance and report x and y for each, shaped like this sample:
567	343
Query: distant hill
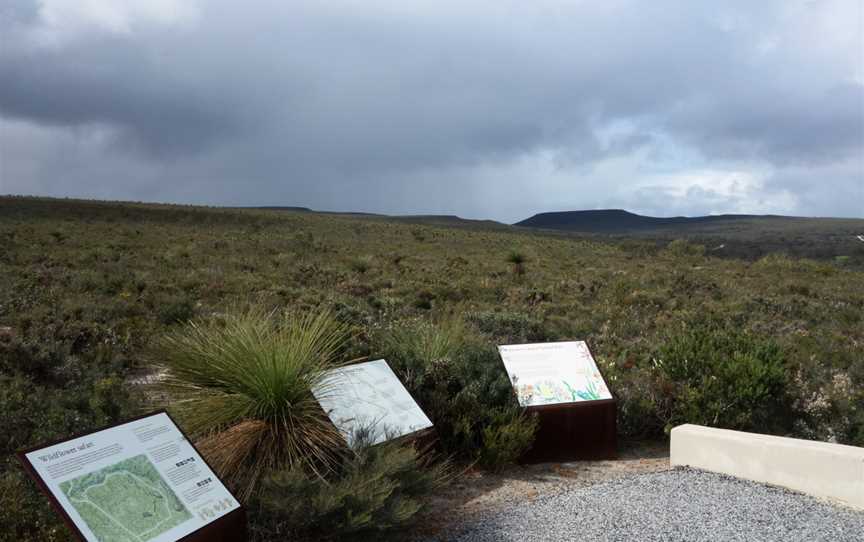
621	221
303	210
736	236
450	220
440	220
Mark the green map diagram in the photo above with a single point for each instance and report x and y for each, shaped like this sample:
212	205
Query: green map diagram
126	502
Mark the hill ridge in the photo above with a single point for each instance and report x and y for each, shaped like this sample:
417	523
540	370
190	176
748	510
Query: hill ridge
621	220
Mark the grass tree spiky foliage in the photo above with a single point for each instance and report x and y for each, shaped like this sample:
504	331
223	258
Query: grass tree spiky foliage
518	260
241	385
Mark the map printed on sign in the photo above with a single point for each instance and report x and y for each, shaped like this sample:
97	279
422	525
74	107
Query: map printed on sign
553	373
369	396
140	481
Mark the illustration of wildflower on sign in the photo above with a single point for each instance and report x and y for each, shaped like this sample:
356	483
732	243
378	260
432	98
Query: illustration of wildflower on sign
545	392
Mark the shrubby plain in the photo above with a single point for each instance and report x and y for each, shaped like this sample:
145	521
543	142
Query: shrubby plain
86	288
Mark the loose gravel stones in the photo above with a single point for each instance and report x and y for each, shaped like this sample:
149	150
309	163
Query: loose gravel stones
680	504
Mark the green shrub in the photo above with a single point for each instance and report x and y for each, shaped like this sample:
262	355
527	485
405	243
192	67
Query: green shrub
424	299
714	373
361	265
507	436
681	247
241	385
516	327
176	310
374	489
460	383
642	399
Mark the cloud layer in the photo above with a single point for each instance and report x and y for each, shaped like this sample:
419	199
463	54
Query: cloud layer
486	109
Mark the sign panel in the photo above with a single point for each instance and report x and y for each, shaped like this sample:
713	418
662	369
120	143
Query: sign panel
553	373
140	481
369	396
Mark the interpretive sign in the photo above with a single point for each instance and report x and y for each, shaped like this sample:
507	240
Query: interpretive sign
562	386
139	481
553	373
369	396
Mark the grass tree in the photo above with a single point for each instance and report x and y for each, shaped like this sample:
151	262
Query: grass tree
518	260
241	385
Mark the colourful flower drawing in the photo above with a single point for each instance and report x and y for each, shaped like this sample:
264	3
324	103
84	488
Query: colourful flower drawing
543	392
589	394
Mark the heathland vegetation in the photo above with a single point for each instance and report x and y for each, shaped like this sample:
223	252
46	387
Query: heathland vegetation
228	316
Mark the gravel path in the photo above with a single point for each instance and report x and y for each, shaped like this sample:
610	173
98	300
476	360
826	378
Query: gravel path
681	504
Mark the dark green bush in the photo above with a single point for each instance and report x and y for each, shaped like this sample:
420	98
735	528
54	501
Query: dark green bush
711	372
424	299
460	383
505	438
361	265
375	489
176	310
714	373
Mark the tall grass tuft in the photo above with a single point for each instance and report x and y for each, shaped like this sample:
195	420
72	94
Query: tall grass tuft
425	348
241	385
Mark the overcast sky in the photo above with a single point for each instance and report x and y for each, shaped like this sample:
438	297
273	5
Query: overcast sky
483	108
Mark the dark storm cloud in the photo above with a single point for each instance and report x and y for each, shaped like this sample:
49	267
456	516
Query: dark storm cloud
110	80
485	108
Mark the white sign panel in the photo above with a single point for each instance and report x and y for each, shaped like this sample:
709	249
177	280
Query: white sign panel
553	373
140	481
369	396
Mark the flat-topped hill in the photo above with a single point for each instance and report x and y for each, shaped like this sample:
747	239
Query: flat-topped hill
619	220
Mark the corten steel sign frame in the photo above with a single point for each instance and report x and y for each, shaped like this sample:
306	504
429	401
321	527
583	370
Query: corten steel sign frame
574	430
228	528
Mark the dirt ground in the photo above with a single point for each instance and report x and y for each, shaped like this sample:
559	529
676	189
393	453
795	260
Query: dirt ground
476	491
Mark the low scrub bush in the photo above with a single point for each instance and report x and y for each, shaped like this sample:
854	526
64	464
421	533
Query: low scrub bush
714	373
361	265
175	310
509	326
373	489
711	372
460	382
682	247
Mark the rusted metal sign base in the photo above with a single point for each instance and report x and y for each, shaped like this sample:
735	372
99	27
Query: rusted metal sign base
229	528
573	431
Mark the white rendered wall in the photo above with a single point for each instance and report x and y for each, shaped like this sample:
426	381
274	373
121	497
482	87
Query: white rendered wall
831	471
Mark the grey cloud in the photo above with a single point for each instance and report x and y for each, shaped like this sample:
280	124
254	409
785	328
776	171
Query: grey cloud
823	126
111	82
18	12
367	107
